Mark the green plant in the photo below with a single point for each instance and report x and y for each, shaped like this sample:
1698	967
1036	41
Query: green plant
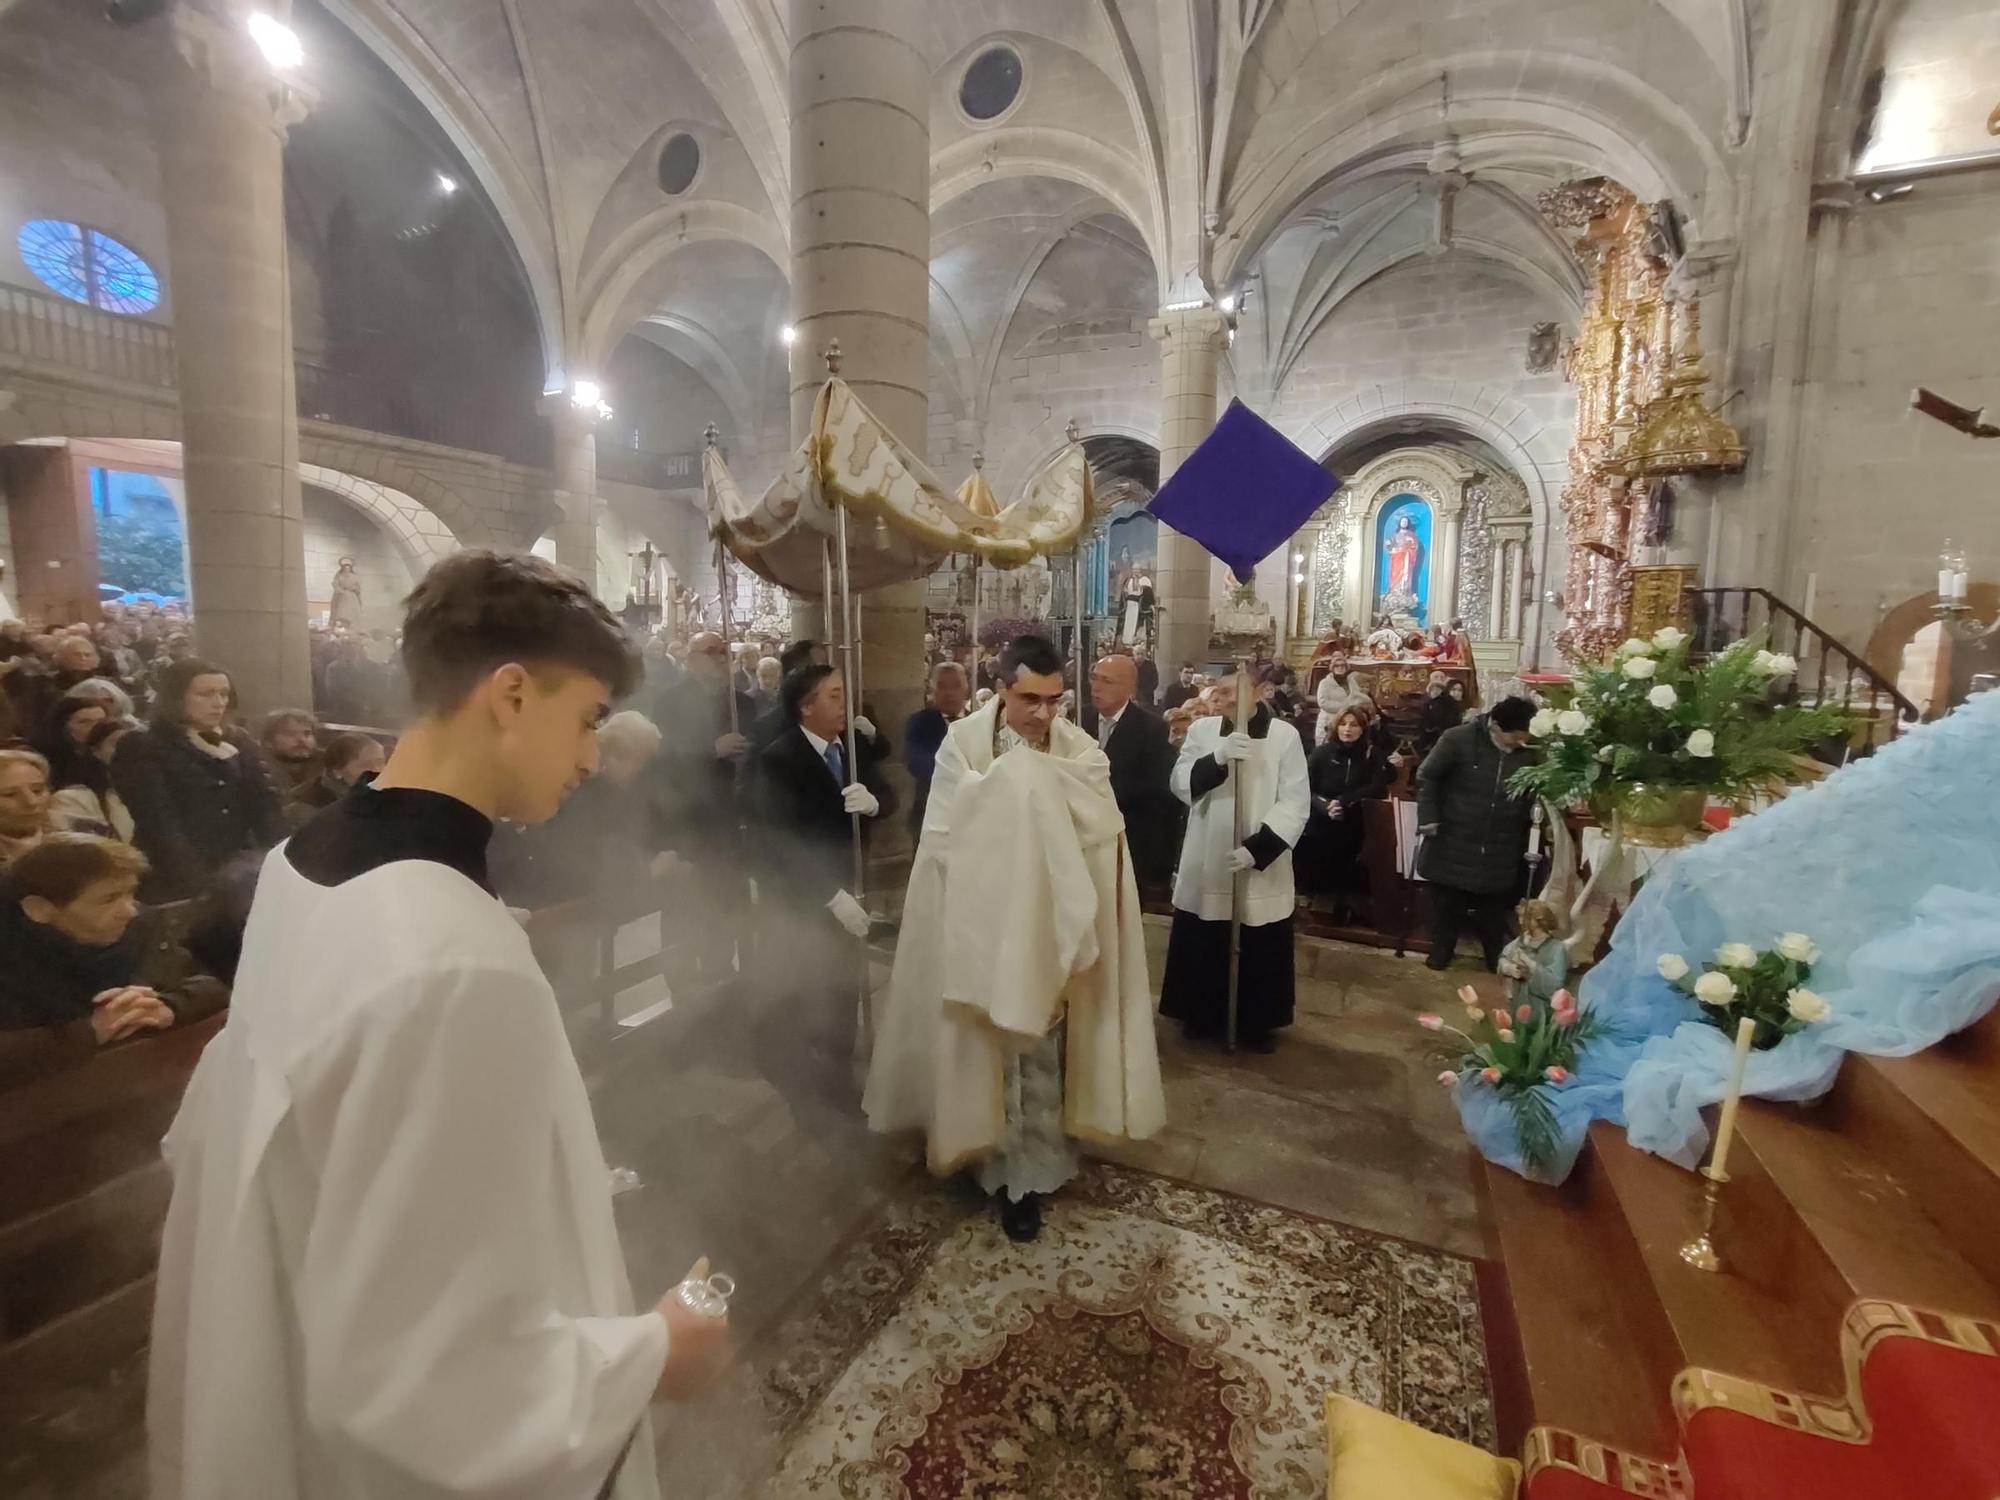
1650	717
141	557
1768	986
1520	1054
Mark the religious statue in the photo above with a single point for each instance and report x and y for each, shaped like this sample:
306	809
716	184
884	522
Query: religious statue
1135	608
1403	552
345	610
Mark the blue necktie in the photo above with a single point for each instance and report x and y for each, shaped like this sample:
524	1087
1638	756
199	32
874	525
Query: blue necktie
834	764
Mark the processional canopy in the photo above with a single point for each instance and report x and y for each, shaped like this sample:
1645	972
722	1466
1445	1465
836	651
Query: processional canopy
902	520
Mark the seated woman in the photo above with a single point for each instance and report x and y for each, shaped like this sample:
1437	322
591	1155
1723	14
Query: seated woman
84	800
79	949
64	735
26	817
1348	770
1441	711
347	761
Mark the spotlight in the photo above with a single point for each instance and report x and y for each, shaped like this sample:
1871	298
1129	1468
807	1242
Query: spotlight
587	394
1228	304
788	335
277	41
447	184
1890	191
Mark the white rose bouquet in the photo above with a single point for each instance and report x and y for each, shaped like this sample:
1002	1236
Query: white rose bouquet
1655	724
1768	985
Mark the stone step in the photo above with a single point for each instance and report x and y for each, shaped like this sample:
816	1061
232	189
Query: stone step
1598	1355
1774	1315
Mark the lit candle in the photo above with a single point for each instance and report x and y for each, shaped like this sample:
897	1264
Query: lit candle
1946	577
1725	1131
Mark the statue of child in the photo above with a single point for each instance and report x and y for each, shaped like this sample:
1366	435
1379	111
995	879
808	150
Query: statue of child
1536	963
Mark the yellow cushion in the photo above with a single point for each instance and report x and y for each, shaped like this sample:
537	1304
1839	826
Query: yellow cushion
1371	1455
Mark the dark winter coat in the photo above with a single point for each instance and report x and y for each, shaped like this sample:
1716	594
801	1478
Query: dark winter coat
190	811
1481	827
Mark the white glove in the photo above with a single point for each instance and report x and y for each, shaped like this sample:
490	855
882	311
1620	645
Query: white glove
849	913
856	798
1240	860
1238	746
864	726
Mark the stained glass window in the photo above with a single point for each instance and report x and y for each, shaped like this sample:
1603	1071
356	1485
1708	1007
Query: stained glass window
88	266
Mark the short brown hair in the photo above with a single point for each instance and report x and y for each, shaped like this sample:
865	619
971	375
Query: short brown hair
345	748
65	865
477	611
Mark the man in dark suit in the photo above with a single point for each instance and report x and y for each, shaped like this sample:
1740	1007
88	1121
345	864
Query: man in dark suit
1142	765
806	802
925	731
1179	692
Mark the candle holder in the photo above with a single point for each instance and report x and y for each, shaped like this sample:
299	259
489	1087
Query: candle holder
1700	1252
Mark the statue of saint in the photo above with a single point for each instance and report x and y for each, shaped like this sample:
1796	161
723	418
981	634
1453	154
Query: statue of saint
345	610
1404	552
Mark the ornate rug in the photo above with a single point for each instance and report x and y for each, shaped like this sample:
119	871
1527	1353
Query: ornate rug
1158	1342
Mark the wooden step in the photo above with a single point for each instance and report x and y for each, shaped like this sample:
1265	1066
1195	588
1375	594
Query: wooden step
1597	1351
1848	1169
80	1251
1774	1315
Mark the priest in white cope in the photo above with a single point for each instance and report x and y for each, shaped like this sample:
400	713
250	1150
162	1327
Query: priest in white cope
1263	763
390	1270
1019	1018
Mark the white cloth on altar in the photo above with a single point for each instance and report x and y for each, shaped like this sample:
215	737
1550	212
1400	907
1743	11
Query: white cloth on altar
1021	915
390	1268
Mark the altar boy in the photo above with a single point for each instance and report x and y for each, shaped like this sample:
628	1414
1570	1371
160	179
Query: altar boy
390	1267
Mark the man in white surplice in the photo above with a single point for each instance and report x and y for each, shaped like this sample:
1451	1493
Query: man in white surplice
1019	1017
390	1270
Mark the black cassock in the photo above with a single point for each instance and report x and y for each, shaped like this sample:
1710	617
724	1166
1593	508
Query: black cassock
1196	989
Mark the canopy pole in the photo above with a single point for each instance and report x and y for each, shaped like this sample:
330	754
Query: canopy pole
1245	709
722	586
1076	599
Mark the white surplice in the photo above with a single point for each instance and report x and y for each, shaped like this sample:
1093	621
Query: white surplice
1021	915
390	1269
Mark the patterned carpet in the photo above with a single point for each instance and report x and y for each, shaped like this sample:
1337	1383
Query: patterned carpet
1158	1342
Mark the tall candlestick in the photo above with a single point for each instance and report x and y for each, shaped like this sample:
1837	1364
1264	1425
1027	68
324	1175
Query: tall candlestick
1725	1130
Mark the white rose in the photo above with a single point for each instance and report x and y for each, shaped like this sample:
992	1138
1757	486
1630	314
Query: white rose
1607	753
1701	744
1798	948
1673	968
1736	955
1715	989
1663	697
1783	665
1639	668
1573	721
1635	647
1667	638
1806	1006
1543	724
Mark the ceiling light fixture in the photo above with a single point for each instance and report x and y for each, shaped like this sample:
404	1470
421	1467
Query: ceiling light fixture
1228	304
277	41
447	184
788	335
1189	306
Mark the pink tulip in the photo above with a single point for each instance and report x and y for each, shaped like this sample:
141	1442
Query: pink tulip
1500	1017
1491	1075
1469	995
1430	1022
1524	1013
1506	1033
1563	1000
1448	1078
1565	1018
1556	1075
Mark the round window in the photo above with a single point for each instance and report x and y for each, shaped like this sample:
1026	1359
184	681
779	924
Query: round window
88	266
680	159
992	83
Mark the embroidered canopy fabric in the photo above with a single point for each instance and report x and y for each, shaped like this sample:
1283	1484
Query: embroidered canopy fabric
902	521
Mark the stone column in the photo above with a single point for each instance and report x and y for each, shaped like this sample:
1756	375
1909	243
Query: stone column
1444	576
1496	591
1191	345
861	247
222	116
1517	569
575	535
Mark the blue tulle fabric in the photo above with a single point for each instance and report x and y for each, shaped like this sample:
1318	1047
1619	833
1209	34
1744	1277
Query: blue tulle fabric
1891	865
